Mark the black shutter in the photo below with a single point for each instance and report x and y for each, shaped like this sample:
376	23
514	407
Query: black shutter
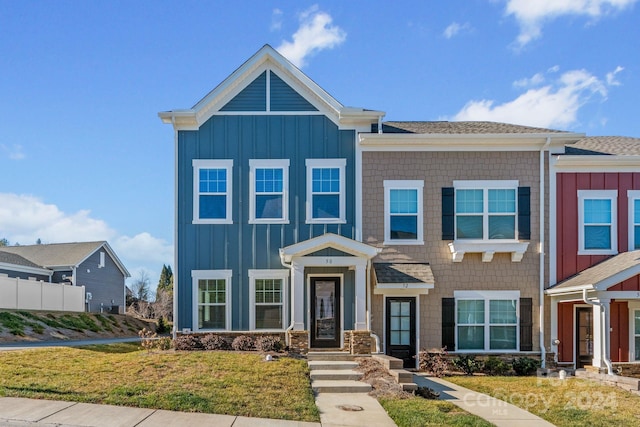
449	323
448	213
524	213
526	324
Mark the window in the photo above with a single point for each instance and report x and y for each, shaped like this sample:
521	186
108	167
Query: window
486	210
212	186
212	299
326	190
269	185
486	320
403	222
101	264
268	294
636	334
634	219
597	215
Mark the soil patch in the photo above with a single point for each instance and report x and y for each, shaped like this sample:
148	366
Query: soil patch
384	385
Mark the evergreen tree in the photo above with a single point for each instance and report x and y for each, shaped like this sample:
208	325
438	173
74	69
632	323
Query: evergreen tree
166	279
4	242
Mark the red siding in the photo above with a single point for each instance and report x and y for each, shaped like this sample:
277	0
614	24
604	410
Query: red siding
565	331
568	261
619	332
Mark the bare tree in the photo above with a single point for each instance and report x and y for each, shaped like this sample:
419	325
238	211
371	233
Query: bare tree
139	304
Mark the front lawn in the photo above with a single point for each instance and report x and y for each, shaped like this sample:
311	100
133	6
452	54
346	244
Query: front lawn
419	412
570	402
232	383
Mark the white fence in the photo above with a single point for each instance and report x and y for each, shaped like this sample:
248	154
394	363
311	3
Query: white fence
38	295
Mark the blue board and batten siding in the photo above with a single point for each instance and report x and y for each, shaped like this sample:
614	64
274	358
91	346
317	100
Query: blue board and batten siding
242	246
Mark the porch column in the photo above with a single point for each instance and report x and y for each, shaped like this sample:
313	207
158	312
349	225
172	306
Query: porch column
361	297
297	296
601	333
606	338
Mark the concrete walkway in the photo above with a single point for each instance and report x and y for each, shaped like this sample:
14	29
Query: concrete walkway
498	412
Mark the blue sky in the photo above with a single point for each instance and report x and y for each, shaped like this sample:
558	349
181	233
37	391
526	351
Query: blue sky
84	156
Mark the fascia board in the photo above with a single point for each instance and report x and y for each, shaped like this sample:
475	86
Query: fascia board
618	277
25	269
587	163
568	290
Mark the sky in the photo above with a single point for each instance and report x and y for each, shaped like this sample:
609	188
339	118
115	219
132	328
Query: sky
84	156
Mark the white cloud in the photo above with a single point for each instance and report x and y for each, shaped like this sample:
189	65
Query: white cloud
554	105
25	218
534	80
14	152
315	33
611	76
532	14
276	20
454	29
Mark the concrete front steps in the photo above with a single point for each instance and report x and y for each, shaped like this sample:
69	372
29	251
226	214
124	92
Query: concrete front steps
333	372
395	368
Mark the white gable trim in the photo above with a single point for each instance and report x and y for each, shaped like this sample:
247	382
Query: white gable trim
328	240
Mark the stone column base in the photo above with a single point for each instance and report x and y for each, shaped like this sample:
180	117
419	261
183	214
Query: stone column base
299	341
360	342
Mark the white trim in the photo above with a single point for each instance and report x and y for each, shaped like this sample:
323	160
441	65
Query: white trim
101	262
226	164
574	360
632	196
211	275
418	186
358	192
599	163
340	277
488	296
339	164
329	240
268	274
633	306
269	164
26	269
553	220
612	196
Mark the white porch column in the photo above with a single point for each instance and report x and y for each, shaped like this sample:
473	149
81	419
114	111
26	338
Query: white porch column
606	331
297	296
554	327
598	337
361	297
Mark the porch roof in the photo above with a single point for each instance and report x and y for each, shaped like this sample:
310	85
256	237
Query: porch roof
397	276
601	276
328	240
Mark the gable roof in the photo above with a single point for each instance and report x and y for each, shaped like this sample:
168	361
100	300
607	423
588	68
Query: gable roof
267	58
460	128
328	240
63	255
601	276
605	145
15	259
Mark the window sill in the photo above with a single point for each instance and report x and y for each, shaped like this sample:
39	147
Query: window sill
597	252
212	221
326	221
459	248
403	242
268	221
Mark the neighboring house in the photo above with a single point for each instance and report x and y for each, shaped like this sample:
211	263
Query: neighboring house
595	252
93	265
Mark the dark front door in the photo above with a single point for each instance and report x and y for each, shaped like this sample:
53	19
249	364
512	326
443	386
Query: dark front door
584	336
325	312
401	329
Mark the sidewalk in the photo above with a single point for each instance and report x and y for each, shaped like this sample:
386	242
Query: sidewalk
498	412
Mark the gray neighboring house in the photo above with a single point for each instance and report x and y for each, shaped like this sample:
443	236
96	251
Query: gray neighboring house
93	265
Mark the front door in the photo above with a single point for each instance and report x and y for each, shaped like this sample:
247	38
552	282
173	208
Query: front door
401	329
584	336
325	312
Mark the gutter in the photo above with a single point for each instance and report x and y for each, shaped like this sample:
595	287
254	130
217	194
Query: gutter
369	304
604	325
543	353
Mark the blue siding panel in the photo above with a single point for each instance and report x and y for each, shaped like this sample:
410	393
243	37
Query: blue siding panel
251	98
285	98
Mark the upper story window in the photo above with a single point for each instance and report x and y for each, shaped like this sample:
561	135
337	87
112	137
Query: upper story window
326	190
486	210
597	213
634	219
212	186
403	220
269	195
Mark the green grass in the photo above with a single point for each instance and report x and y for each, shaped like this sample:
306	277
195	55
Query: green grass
418	412
213	382
106	324
16	324
571	402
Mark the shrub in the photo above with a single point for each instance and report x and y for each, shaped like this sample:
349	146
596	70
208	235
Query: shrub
433	361
243	343
164	343
214	342
268	343
525	366
496	366
147	339
467	364
187	342
162	326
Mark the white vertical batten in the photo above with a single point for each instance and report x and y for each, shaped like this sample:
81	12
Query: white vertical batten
543	353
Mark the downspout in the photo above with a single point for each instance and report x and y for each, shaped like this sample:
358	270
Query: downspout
604	332
290	327
369	304
543	353
176	268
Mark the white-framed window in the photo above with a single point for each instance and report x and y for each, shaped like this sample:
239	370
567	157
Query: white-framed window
269	191
326	190
634	219
268	293
597	218
486	210
403	208
487	320
101	264
636	334
212	191
211	299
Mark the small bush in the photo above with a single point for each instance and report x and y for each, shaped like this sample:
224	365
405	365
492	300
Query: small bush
427	393
243	343
434	361
467	364
164	343
162	326
268	343
147	339
187	342
496	366
214	342
525	365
